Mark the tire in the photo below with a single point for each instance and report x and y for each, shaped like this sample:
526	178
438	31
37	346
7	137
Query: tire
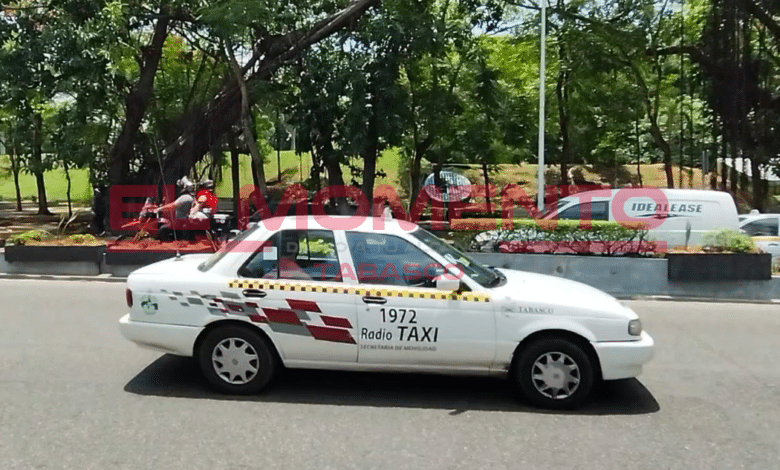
237	360
568	381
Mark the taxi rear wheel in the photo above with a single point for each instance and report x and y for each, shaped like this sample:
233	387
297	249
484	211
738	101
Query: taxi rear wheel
236	360
554	373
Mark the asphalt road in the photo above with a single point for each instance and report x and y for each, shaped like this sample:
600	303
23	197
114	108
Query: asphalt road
75	394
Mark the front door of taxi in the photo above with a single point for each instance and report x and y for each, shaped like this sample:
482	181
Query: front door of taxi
296	287
404	320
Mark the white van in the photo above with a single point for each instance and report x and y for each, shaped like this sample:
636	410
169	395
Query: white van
678	217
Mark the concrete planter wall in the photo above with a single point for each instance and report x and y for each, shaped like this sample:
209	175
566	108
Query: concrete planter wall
616	275
719	266
627	277
53	260
40	253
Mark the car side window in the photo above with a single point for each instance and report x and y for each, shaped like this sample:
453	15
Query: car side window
762	227
390	260
572	212
295	254
598	210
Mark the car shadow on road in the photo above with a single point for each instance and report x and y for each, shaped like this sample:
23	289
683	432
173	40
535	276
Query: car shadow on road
174	376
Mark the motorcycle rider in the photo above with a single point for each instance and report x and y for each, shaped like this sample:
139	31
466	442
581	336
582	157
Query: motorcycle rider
177	213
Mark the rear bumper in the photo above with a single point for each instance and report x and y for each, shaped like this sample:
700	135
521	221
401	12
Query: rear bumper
624	359
173	339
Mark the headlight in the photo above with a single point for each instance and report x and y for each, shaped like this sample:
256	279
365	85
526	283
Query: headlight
635	327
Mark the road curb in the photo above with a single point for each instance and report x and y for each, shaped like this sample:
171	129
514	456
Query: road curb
669	298
661	298
51	277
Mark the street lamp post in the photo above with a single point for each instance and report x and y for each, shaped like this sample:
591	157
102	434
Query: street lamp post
542	66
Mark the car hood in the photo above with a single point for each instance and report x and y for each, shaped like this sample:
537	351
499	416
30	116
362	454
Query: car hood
537	293
173	267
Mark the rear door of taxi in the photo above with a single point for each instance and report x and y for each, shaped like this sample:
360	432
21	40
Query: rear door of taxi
293	288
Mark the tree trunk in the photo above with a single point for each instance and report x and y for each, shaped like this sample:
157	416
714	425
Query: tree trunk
414	179
332	163
234	173
663	145
67	191
655	130
370	155
487	185
420	149
246	127
136	103
37	164
15	168
638	153
316	168
369	171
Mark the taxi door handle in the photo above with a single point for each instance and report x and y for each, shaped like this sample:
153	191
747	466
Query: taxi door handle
253	293
374	300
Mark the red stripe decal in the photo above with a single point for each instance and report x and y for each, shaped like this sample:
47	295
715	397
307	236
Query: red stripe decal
258	318
336	321
326	333
277	315
306	305
235	307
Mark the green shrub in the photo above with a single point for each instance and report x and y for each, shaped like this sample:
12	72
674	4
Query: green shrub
565	236
22	238
729	240
80	239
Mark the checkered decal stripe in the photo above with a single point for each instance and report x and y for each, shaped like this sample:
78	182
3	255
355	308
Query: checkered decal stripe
292	286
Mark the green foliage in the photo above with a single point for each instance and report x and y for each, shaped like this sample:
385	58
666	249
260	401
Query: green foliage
729	240
31	235
317	247
564	236
82	239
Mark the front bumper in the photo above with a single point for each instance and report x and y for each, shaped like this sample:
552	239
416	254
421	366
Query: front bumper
624	359
173	339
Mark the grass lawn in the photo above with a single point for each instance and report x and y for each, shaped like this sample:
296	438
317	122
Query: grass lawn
56	184
295	169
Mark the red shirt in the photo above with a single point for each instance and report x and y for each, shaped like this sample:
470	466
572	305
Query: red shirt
211	199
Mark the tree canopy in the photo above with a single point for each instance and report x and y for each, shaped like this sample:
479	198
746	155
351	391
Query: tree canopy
129	88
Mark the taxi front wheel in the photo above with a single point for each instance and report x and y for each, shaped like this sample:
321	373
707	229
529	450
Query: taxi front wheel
554	373
236	360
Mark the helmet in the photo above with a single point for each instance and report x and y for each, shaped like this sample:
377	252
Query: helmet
185	184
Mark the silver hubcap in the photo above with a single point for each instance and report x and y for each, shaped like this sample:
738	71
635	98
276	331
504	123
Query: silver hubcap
555	375
235	361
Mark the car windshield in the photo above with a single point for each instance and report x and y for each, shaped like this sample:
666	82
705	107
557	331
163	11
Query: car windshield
214	259
484	276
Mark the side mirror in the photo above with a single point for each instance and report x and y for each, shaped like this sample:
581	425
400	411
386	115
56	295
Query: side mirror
449	285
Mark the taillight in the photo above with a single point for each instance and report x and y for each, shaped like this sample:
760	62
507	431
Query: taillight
129	297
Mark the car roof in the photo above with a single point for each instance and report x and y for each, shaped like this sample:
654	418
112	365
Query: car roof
330	222
601	194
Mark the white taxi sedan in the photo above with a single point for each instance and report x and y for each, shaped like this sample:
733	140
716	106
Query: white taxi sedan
381	295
